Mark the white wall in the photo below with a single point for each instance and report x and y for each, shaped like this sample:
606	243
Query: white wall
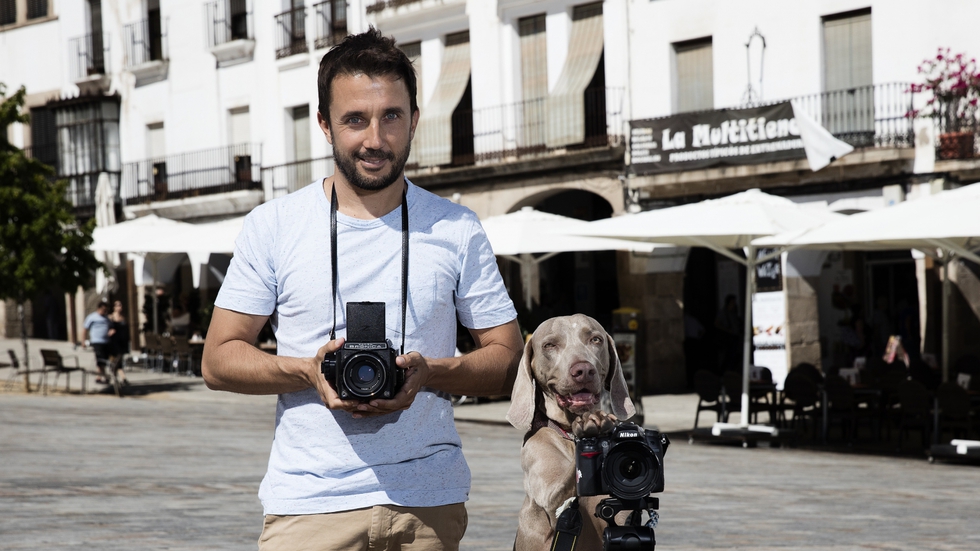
904	32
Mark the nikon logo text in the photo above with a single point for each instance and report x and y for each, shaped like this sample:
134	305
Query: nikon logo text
629	434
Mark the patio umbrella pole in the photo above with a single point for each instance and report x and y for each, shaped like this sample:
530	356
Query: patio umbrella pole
155	331
947	264
747	336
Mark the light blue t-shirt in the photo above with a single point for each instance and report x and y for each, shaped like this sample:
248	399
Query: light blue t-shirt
324	460
98	327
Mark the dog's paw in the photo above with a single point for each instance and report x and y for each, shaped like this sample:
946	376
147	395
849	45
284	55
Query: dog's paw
593	424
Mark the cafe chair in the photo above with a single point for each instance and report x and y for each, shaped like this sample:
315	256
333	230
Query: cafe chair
809	371
53	362
182	355
14	372
801	396
710	396
914	411
153	361
844	409
166	354
758	401
954	413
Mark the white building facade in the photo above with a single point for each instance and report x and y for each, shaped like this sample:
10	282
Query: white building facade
202	110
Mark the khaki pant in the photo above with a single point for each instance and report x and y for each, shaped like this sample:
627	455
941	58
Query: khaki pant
378	528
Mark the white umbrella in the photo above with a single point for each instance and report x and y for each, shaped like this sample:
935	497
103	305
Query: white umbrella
946	221
105	215
731	222
518	236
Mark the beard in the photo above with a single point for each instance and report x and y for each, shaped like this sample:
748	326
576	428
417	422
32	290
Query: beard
347	165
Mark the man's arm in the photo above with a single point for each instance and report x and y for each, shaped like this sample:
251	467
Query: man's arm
489	370
231	362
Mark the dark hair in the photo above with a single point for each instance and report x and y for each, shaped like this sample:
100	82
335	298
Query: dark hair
370	53
102	304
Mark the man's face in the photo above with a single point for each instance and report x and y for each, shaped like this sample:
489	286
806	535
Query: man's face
371	128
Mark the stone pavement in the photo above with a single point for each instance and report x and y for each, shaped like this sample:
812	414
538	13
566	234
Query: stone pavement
176	466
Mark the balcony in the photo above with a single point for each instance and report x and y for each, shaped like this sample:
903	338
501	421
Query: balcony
289	177
193	174
231	37
382	5
81	180
331	23
291	33
521	131
147	49
88	62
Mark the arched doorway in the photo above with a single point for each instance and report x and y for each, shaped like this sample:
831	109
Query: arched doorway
573	282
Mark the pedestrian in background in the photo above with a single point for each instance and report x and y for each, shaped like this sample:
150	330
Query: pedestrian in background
118	341
95	332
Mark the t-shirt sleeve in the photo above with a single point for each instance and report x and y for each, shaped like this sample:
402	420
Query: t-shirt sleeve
481	297
250	283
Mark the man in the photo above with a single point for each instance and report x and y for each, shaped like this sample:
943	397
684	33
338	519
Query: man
385	473
95	332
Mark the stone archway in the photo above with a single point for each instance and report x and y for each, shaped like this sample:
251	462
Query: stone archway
495	200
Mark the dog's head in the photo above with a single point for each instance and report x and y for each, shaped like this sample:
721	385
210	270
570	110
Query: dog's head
568	364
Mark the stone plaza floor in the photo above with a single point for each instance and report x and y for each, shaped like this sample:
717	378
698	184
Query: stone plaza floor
175	466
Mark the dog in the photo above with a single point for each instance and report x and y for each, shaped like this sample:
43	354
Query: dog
569	368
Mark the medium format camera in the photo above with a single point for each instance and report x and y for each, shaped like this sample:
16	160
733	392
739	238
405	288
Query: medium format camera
364	369
627	464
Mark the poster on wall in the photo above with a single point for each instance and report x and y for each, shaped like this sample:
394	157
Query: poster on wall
769	333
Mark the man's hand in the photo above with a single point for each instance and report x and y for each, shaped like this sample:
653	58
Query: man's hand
416	374
327	392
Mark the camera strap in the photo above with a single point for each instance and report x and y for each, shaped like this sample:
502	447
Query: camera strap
333	259
568	528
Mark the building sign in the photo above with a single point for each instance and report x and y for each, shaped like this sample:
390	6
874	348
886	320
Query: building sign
723	137
769	274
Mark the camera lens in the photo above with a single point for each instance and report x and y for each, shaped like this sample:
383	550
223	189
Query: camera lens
630	470
364	375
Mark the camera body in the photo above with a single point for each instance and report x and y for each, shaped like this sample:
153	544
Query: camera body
364	368
627	464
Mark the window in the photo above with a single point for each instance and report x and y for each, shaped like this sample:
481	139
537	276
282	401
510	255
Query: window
299	118
847	109
445	131
331	22
238	17
694	76
156	152
847	50
8	12
574	98
414	52
534	56
37	9
239	130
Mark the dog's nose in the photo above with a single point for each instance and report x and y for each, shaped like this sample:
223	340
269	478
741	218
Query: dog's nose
582	372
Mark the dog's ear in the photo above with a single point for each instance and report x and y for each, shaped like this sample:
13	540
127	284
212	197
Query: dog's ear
619	393
521	411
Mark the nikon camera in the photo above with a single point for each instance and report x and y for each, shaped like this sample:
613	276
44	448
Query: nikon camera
627	464
364	369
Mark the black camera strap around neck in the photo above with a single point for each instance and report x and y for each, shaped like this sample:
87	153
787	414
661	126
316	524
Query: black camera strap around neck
333	259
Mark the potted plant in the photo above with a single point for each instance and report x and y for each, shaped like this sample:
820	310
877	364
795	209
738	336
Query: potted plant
954	84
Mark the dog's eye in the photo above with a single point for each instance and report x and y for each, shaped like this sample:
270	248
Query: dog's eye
548	346
596	340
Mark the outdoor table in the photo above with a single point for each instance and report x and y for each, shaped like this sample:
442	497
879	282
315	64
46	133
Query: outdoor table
862	394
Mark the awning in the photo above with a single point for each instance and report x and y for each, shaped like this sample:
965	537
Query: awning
566	103
434	135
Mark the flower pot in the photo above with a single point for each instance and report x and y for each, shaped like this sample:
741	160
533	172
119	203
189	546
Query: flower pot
956	145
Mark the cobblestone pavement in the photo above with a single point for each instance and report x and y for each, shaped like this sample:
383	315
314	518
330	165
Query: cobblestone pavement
180	470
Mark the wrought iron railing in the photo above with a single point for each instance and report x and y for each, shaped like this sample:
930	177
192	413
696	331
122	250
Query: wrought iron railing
88	56
520	130
291	33
204	172
865	116
228	20
289	177
331	23
146	41
382	4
